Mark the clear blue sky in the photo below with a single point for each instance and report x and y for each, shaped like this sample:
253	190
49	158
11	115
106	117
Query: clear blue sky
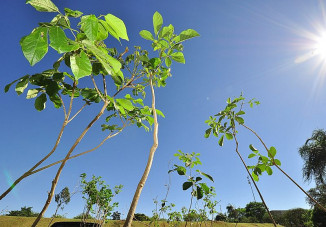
245	46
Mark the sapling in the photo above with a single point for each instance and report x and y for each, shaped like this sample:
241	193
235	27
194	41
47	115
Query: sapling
88	58
194	177
224	125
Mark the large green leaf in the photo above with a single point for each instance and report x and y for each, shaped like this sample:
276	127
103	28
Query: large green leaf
205	188
272	152
126	104
80	65
32	93
117	27
146	35
91	95
221	141
187	34
178	57
40	102
157	22
59	40
186	185
89	24
207	175
43	5
110	64
200	192
35	45
103	29
22	85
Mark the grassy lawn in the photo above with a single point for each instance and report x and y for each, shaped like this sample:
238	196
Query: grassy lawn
7	221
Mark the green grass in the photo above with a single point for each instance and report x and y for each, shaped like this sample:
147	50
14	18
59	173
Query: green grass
8	221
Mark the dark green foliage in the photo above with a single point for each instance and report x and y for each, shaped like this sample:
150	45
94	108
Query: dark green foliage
63	197
23	212
313	153
220	217
318	217
140	217
295	217
116	215
255	210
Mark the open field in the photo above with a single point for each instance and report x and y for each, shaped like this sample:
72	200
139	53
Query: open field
7	221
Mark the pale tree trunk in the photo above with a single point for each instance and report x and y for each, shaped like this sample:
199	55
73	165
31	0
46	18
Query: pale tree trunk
142	181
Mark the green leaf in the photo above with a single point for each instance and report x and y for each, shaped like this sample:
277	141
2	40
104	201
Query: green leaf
272	152
187	34
181	170
165	32
117	27
206	175
7	87
269	170
126	104
158	112
155	62
40	102
178	57
103	29
229	136
208	132
56	101
240	112
146	35
43	5
200	192
253	148
89	24
277	162
239	120
80	65
254	176
110	64
251	155
73	13
168	62
35	45
22	85
198	179
32	93
221	140
157	22
59	40
186	185
205	188
91	95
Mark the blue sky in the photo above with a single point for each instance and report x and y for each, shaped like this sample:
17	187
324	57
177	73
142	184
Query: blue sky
245	46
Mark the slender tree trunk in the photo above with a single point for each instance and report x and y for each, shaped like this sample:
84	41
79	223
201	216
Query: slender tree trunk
142	181
55	180
245	165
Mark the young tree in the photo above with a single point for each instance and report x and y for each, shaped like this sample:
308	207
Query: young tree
62	198
98	197
89	58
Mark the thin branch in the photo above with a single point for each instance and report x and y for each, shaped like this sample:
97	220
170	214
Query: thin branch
78	112
63	105
279	168
104	87
97	90
245	165
77	155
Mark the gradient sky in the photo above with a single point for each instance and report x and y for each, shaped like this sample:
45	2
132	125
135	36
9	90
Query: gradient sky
255	47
